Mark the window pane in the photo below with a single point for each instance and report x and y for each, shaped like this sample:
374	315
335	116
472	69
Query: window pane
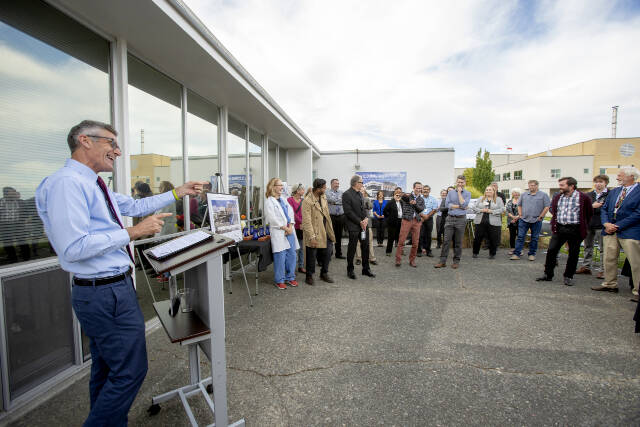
53	74
283	164
273	173
237	149
155	129
255	173
202	143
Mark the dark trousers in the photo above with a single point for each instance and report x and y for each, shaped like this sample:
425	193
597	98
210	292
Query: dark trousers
322	255
379	225
565	234
393	231
453	229
425	235
440	228
111	318
513	234
338	225
489	232
354	237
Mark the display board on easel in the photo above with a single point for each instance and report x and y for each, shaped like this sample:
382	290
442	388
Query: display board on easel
224	215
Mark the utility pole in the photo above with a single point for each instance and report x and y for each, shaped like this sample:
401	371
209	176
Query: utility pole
614	121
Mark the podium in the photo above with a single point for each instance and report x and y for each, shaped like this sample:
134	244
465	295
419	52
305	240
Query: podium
203	327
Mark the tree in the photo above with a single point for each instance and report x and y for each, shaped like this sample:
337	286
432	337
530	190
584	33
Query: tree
468	173
483	173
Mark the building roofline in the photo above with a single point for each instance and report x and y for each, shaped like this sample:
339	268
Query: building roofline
389	150
582	142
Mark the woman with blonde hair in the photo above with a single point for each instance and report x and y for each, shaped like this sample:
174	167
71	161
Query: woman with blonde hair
284	244
513	217
488	221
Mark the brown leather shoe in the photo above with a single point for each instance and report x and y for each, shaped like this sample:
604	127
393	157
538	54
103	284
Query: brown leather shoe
326	278
309	280
440	265
604	289
455	265
583	270
413	264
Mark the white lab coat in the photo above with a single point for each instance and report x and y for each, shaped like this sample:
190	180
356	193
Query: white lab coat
274	216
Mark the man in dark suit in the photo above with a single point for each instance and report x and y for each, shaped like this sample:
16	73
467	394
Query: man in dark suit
620	216
356	221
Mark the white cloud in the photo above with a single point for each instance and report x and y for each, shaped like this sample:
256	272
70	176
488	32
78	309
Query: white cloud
439	74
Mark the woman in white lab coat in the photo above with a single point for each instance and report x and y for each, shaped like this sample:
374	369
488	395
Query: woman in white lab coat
284	244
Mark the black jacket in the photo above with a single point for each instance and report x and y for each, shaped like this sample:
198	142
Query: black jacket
408	209
595	219
354	210
391	213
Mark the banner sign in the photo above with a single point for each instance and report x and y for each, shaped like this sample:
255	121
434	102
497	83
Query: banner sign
385	181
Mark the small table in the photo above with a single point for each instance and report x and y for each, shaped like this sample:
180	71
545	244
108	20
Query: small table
262	248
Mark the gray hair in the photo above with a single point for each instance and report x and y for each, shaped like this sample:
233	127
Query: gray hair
516	190
355	179
84	126
297	187
631	171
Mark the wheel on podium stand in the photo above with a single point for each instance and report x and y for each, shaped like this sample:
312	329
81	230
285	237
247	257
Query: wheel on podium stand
210	388
153	409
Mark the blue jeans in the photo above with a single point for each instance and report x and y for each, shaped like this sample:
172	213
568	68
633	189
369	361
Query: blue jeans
110	316
523	227
300	254
284	262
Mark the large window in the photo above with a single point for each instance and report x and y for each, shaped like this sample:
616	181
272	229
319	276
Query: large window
155	131
255	172
237	149
517	175
273	159
53	74
202	146
506	176
282	164
496	177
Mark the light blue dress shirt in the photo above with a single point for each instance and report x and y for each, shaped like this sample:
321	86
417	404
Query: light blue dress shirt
430	204
88	242
452	199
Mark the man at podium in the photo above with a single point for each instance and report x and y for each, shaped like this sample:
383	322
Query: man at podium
83	220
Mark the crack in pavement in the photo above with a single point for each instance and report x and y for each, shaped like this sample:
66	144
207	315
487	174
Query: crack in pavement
499	370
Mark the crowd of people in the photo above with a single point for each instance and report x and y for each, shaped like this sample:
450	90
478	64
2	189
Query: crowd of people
307	230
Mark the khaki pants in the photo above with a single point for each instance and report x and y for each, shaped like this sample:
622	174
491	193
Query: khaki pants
612	244
372	255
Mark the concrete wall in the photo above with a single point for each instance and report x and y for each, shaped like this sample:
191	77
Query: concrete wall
432	167
299	166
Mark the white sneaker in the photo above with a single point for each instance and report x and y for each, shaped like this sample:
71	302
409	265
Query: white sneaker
532	257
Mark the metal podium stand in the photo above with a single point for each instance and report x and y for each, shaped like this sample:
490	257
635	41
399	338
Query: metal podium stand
203	327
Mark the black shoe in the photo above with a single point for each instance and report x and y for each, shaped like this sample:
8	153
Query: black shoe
325	278
420	254
568	281
374	262
357	262
340	257
309	280
351	275
543	278
368	273
492	257
430	254
474	256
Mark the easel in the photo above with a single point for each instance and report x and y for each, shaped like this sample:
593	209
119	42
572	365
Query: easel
217	184
204	327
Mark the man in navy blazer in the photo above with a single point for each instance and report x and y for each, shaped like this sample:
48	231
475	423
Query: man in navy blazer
620	216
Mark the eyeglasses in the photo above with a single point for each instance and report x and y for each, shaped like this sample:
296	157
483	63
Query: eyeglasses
111	141
359	182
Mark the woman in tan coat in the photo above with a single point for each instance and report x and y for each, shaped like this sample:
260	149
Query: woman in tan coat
318	231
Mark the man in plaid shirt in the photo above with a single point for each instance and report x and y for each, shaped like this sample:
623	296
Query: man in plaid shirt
572	212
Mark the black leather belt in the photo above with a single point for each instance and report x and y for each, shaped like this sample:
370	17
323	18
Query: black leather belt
458	216
102	280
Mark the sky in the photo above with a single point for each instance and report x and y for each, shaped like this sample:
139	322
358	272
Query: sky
463	74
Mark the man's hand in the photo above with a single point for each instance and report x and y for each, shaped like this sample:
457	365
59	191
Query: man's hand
313	243
597	205
148	226
459	190
610	228
364	223
412	202
191	188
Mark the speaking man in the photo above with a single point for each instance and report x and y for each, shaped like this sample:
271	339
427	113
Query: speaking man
83	220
